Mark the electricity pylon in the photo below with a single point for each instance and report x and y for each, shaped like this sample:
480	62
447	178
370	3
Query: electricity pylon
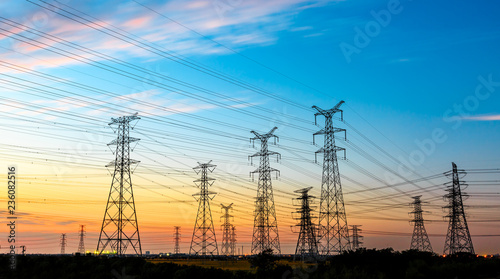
458	238
265	229
233	240
307	245
204	241
227	248
420	239
63	243
177	239
356	237
81	244
23	250
120	228
333	235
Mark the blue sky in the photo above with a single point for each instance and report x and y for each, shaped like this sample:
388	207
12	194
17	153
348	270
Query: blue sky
404	89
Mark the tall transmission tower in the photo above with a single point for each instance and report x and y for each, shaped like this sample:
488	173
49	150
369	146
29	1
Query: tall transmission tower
458	238
177	240
233	240
204	241
63	243
81	244
120	228
420	239
307	245
333	236
356	237
227	247
265	229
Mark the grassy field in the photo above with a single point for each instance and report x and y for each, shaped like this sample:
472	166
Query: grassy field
227	265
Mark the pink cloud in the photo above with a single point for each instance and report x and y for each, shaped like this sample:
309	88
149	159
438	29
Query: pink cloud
484	118
198	15
61	27
138	22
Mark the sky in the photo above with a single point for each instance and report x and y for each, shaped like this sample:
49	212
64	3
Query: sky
420	81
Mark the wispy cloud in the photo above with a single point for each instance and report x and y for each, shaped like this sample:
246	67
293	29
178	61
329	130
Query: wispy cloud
302	28
492	117
313	35
247	24
400	60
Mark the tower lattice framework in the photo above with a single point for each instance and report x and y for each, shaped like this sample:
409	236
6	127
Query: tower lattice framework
177	239
356	237
81	243
307	245
63	243
204	241
420	239
227	247
265	230
333	235
458	238
233	240
120	229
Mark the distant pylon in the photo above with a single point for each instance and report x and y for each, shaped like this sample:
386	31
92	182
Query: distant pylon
233	240
204	241
81	244
333	235
63	243
458	238
420	239
227	248
119	225
265	228
307	245
177	239
356	237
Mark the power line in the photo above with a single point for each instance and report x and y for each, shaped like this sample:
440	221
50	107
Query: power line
419	240
204	240
307	243
119	226
63	243
333	234
265	230
458	239
227	247
81	243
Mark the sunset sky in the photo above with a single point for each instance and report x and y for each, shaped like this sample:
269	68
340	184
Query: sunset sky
420	80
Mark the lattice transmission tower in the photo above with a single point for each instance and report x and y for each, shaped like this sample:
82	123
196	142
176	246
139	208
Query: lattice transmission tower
356	237
120	228
333	235
307	245
204	241
227	247
233	240
458	238
63	243
265	229
177	240
81	243
420	239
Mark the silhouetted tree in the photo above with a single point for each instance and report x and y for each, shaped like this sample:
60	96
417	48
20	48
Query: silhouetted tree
264	261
